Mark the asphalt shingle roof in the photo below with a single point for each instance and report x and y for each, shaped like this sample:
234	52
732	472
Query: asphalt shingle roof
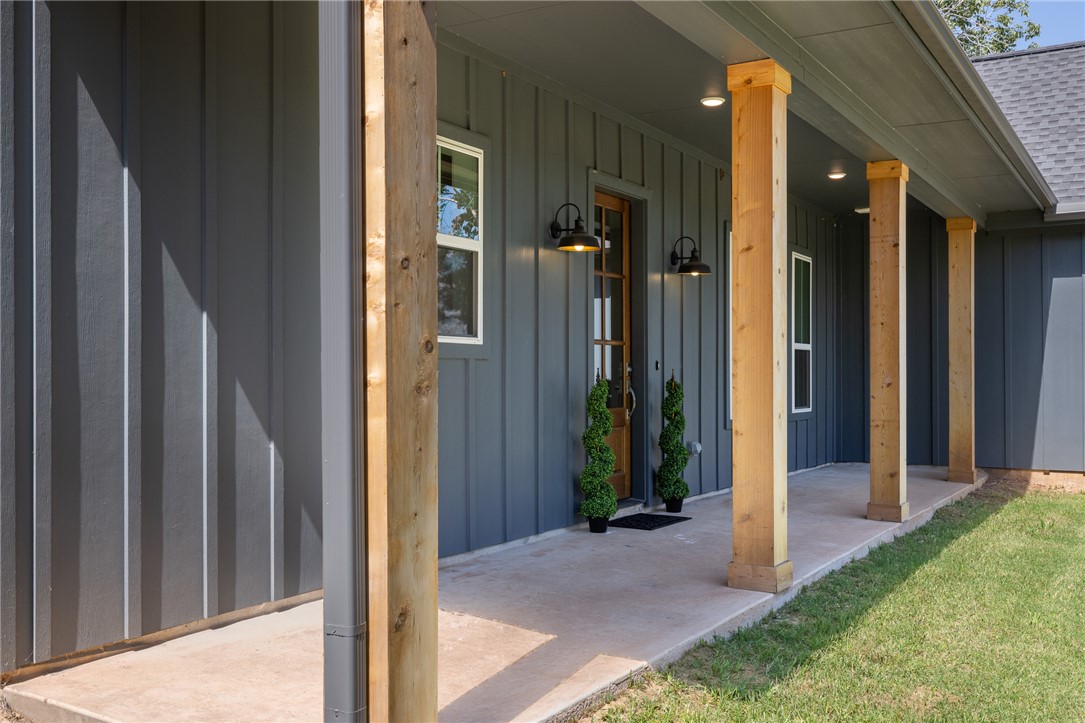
1042	93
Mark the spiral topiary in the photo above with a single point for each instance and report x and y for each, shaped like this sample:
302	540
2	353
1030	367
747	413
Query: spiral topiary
670	485
600	499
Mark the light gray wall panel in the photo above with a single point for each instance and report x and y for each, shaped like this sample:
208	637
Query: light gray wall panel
1062	395
452	493
87	326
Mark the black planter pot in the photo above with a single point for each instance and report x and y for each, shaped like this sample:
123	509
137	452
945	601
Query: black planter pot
597	524
674	505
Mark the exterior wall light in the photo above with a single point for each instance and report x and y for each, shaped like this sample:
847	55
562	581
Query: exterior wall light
690	265
837	175
713	101
576	238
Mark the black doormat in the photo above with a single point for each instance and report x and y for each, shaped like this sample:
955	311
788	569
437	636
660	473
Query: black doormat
645	521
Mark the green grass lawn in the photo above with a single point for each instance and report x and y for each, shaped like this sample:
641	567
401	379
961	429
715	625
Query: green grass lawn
978	615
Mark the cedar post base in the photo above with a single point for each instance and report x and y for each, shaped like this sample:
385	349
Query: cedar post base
887	513
762	578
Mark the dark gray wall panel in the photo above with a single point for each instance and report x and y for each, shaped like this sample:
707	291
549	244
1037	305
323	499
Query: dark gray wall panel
990	350
243	229
300	277
515	405
1025	342
1030	313
88	332
852	345
173	364
164	258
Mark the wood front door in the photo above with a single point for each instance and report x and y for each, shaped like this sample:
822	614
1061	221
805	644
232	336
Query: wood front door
611	327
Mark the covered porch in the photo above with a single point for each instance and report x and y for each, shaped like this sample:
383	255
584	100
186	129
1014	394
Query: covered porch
526	632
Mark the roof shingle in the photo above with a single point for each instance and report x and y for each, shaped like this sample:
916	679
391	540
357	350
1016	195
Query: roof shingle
1042	93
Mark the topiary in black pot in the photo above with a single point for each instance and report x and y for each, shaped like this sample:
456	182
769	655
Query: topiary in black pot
600	500
670	485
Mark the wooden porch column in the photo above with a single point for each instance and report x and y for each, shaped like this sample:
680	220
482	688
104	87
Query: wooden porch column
888	352
962	411
400	94
759	93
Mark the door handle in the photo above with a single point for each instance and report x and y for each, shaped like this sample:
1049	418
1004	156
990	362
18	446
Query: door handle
629	410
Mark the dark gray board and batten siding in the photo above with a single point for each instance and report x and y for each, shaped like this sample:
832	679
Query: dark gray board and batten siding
160	444
1030	348
511	412
927	338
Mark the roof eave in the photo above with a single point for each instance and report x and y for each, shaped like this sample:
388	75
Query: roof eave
925	19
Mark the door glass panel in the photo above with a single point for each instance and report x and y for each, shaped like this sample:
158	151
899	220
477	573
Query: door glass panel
599	281
597	229
614	240
615	309
616	377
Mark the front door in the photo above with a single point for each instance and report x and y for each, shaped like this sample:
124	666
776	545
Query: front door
611	335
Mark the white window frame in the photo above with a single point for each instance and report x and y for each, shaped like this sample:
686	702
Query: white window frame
796	257
466	244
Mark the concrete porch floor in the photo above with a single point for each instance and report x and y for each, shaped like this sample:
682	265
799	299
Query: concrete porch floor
528	632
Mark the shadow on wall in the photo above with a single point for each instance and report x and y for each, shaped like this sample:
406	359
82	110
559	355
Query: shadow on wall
1030	350
184	320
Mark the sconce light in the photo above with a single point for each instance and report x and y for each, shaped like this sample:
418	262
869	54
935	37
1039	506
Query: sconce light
575	238
690	265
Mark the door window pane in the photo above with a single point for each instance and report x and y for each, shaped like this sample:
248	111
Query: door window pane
614	239
599	281
615	310
597	229
616	377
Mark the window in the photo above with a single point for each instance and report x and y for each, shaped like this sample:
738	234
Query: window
460	236
802	371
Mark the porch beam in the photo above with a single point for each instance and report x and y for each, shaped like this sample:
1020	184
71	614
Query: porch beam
759	93
888	352
400	259
962	410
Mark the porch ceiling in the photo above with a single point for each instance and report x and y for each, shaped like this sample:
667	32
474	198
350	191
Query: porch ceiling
868	87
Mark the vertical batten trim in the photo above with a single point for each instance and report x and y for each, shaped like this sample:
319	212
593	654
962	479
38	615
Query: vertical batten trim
1009	460
133	325
42	320
569	415
276	289
471	452
472	94
506	293
539	493
7	336
209	303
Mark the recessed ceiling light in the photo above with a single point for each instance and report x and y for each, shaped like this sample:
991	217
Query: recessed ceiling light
837	175
865	209
713	101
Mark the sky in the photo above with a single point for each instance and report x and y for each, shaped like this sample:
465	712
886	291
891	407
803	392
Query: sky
1061	21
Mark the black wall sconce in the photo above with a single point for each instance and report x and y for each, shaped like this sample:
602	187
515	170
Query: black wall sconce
576	238
690	265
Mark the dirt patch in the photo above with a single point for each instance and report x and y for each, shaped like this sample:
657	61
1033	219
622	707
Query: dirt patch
1070	482
7	714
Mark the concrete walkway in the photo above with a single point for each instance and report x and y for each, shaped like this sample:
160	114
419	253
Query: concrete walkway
528	632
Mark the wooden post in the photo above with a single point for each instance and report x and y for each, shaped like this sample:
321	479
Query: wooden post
888	352
400	92
759	93
962	410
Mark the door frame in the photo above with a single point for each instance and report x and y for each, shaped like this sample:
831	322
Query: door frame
641	483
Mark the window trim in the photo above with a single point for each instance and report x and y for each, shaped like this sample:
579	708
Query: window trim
465	244
796	257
